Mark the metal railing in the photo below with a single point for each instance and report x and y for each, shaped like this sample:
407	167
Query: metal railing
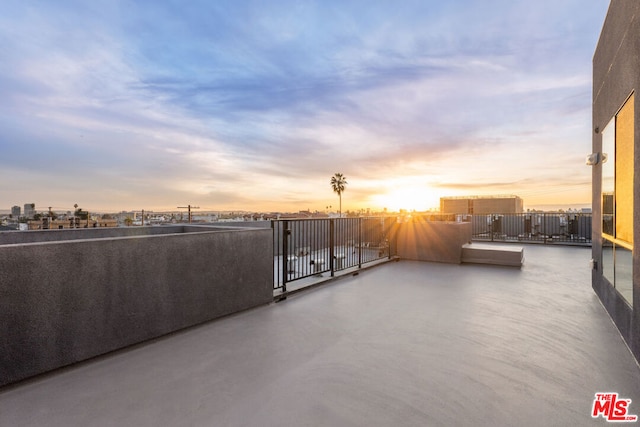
542	227
310	247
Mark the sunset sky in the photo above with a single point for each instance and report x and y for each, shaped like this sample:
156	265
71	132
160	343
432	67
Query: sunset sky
254	105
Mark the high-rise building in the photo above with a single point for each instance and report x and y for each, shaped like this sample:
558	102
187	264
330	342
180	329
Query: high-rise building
15	212
481	205
29	210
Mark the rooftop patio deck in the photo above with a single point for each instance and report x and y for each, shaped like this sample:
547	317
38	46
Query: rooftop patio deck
405	344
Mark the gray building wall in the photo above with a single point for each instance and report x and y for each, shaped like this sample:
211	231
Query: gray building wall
454	206
616	74
73	299
481	205
436	241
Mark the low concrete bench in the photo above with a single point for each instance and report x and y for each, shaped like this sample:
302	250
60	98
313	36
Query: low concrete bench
478	253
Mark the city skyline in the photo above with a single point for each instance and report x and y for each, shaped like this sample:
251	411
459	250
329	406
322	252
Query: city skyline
329	209
249	106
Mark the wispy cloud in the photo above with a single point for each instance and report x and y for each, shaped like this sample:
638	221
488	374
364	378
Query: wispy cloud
249	105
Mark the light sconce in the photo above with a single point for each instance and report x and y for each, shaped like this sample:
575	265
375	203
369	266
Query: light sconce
594	158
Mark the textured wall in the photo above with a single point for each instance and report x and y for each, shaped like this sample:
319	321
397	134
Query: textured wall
63	302
616	75
433	241
39	236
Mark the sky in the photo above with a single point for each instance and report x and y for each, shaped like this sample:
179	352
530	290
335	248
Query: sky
254	105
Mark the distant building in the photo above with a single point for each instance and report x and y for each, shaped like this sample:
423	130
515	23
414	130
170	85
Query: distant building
29	210
59	224
15	211
481	205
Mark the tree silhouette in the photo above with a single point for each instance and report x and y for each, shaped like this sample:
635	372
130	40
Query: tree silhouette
338	183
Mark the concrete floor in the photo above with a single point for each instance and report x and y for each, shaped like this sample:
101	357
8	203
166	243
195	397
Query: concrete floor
402	344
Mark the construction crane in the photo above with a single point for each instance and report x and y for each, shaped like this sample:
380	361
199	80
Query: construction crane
189	207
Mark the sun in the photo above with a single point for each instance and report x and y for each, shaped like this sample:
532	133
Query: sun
410	199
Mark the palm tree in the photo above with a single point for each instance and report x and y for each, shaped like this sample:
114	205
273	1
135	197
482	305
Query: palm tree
338	183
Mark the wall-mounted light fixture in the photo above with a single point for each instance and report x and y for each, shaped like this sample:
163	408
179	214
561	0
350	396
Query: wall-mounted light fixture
594	158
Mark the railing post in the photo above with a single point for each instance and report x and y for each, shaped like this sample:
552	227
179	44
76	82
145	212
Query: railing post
393	237
285	254
332	240
275	276
359	242
491	226
385	230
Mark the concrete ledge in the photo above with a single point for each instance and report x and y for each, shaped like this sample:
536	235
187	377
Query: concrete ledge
478	253
71	300
41	236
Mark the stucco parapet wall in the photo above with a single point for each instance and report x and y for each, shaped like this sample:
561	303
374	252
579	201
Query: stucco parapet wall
438	241
70	300
41	236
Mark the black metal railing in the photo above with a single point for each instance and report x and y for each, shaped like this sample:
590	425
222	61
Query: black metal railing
311	247
542	227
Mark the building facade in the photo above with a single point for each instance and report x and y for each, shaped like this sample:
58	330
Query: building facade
15	212
481	205
616	173
47	223
29	210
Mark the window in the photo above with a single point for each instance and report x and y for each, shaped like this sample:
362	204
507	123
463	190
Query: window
617	200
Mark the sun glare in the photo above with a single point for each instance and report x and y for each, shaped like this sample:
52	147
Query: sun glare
418	199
